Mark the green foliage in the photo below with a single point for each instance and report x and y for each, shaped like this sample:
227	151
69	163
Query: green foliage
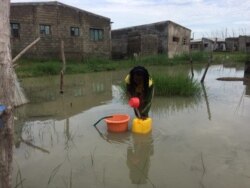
175	85
200	56
229	57
152	60
197	57
32	68
48	69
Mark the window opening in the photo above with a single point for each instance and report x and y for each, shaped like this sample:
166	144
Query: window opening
15	30
45	30
184	41
74	31
175	39
96	34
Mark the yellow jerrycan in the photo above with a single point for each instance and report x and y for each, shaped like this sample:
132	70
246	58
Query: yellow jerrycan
142	126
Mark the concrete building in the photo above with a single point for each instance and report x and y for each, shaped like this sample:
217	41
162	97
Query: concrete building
219	44
208	44
203	44
84	34
232	44
156	38
241	43
244	43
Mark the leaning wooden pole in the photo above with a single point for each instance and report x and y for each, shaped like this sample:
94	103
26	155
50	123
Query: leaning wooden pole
208	64
6	97
19	96
205	72
25	50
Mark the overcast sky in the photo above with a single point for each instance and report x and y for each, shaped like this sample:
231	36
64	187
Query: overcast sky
206	18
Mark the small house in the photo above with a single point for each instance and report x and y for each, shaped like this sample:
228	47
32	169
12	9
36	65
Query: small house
232	44
203	44
244	43
84	33
164	37
208	44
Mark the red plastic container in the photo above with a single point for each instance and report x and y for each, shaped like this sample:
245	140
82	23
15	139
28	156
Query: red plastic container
134	102
118	123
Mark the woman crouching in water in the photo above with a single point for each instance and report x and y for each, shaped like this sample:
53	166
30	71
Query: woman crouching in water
139	84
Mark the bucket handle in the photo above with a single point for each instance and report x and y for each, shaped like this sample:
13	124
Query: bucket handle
98	122
101	120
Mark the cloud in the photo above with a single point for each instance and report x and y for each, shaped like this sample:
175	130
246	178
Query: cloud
201	16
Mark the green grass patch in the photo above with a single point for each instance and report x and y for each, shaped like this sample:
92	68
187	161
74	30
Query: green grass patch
229	57
175	85
33	68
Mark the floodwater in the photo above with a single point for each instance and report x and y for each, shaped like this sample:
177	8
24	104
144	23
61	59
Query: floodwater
194	143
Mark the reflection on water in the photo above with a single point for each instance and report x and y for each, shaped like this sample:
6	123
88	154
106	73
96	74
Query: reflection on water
246	82
56	144
138	158
81	92
118	137
206	100
139	150
165	106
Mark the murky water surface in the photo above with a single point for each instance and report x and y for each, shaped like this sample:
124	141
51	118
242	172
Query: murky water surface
201	142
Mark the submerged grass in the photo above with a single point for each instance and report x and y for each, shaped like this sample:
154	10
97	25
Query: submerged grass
165	85
175	85
34	68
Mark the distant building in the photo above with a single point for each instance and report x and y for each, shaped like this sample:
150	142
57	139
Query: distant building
203	44
84	34
162	37
232	44
244	43
219	44
208	44
241	43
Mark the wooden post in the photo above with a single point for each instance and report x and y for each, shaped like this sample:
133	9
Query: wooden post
192	69
208	64
61	82
247	67
191	60
205	72
63	66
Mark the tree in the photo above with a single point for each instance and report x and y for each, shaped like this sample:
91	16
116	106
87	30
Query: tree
6	96
6	68
7	74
